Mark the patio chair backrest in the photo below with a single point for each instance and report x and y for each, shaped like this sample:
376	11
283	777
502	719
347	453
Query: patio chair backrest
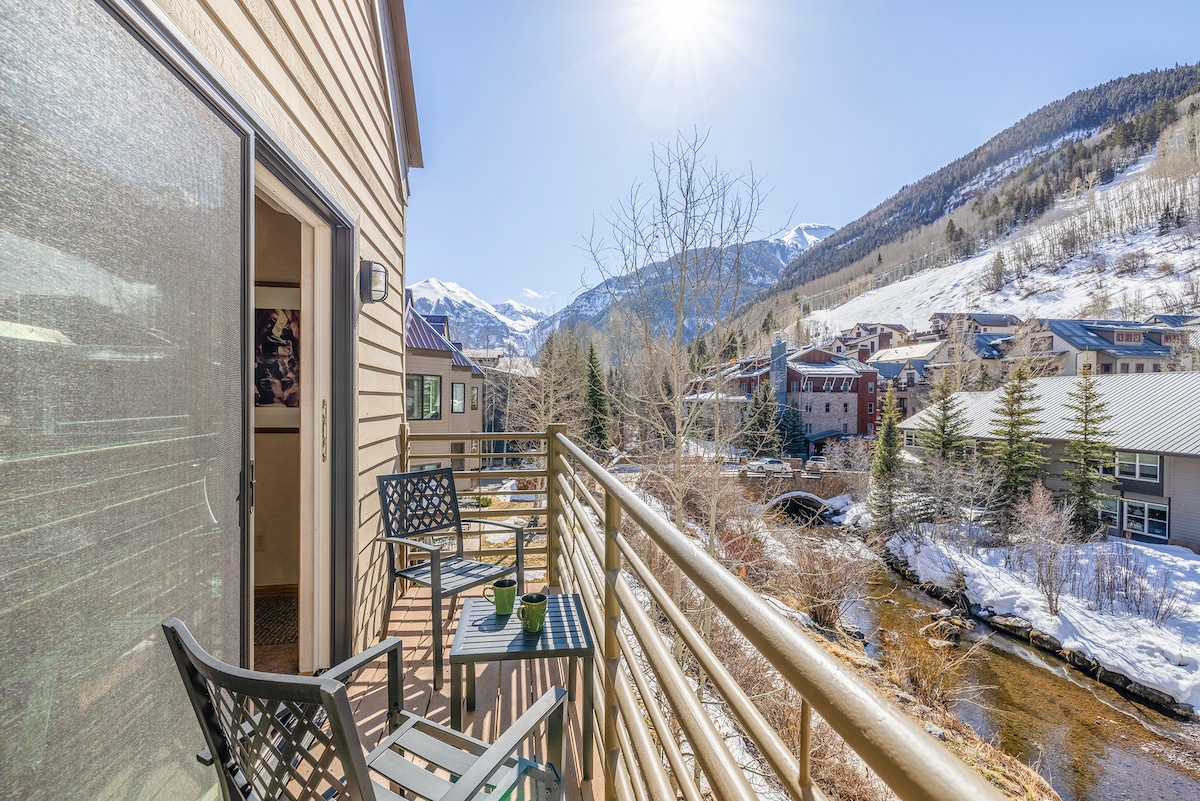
415	504
271	736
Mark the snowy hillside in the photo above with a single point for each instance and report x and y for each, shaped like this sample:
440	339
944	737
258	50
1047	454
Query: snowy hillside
473	321
1130	274
762	261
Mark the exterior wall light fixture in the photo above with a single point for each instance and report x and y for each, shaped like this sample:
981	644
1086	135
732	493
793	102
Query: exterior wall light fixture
372	281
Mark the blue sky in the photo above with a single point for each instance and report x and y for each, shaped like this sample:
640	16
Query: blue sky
536	116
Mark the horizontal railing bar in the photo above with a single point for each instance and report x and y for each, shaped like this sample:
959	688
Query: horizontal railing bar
629	705
670	747
484	475
476	456
479	436
507	550
709	748
654	776
776	754
910	762
498	511
482	493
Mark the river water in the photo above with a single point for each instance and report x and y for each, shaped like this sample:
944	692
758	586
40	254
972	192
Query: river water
1085	738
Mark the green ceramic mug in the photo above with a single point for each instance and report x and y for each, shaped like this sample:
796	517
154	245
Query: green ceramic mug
504	595
533	611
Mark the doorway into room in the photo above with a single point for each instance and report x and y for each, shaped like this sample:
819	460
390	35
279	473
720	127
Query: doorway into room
290	451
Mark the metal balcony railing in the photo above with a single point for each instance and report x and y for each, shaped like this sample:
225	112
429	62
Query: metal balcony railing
666	731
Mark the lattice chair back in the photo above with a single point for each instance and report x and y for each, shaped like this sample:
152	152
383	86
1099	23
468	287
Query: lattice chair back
416	504
273	737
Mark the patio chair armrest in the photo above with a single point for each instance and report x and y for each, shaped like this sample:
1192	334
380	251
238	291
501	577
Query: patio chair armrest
498	523
423	546
471	782
342	670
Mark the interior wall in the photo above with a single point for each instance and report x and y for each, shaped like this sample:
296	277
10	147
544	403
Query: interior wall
276	452
276	508
276	246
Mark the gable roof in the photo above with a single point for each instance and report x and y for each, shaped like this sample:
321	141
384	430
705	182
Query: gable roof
1150	412
419	333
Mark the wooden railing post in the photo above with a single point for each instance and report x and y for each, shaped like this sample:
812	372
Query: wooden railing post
403	449
553	507
612	647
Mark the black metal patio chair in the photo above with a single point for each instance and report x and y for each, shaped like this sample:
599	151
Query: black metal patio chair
422	505
293	738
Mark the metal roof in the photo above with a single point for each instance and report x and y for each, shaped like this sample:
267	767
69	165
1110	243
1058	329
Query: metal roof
1150	412
921	350
418	333
985	345
1082	335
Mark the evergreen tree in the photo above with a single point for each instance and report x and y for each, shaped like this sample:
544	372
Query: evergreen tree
887	476
944	436
1087	454
791	434
761	434
595	404
1014	446
945	446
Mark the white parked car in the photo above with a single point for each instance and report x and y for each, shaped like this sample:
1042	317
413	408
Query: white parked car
816	463
768	466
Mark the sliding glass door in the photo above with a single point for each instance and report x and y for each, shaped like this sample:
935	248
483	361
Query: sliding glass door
122	402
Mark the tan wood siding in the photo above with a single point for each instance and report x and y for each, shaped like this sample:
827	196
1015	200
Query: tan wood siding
313	74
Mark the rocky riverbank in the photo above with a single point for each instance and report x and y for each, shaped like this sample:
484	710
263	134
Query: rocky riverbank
1026	631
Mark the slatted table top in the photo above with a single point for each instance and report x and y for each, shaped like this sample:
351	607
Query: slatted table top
483	635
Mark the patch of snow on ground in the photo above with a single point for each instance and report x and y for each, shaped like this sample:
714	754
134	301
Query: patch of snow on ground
1163	656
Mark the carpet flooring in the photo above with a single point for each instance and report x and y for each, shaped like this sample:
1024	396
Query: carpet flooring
276	619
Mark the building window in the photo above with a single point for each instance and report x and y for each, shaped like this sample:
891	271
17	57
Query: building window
808	407
458	398
910	438
845	407
795	386
1139	368
423	398
1124	367
808	428
1110	512
1137	466
1157	368
870	408
870	387
458	464
1134	337
421	468
827	407
845	428
808	386
1106	368
474	399
870	429
1146	518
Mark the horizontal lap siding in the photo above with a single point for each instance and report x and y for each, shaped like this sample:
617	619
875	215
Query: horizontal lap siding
311	71
1183	490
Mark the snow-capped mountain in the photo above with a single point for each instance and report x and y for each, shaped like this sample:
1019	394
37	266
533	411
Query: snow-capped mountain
473	321
762	261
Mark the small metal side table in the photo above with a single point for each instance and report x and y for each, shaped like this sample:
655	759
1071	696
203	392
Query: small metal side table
484	636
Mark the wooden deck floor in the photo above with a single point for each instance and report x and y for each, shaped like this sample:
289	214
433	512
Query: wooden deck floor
503	690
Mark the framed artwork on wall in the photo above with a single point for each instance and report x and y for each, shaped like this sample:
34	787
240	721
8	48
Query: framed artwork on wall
277	379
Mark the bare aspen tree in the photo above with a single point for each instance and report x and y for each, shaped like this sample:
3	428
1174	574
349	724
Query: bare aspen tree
672	269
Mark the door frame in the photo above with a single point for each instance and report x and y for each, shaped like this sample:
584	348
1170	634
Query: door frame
316	338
